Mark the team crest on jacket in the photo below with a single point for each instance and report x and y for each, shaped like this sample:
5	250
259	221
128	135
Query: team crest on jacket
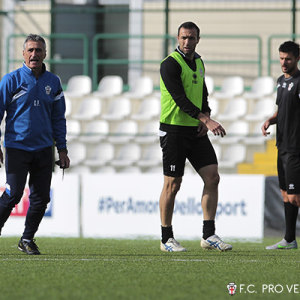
48	89
290	86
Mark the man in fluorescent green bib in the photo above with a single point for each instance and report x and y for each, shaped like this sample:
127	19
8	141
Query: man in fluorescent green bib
184	122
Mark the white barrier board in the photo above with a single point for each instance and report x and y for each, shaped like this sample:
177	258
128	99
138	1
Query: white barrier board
126	205
62	214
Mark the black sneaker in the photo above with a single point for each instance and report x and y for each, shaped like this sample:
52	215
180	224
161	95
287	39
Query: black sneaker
29	247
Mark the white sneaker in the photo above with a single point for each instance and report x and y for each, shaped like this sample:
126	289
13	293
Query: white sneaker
283	245
171	246
214	242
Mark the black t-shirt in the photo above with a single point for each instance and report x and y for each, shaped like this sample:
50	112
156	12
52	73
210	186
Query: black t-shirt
288	118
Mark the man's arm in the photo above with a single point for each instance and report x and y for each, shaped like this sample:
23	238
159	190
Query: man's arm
271	121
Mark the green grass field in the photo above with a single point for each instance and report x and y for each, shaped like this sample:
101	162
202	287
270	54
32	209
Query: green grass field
136	269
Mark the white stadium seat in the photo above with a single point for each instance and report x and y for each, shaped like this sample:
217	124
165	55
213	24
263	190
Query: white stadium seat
152	156
77	153
142	87
78	86
235	132
73	129
149	108
89	109
118	109
232	86
263	109
232	155
127	155
124	132
109	86
94	131
148	133
235	109
261	86
101	155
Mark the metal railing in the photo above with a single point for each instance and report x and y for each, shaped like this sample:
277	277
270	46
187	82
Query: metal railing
96	61
121	61
257	61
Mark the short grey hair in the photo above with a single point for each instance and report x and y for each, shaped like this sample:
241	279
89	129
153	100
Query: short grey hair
35	38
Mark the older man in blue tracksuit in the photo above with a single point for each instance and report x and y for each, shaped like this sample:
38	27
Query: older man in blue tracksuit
35	119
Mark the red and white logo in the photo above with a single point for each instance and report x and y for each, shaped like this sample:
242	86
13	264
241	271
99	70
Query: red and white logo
231	288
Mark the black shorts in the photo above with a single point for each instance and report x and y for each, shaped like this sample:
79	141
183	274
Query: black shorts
288	167
177	147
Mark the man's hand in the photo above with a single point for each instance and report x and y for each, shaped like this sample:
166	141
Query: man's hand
265	127
215	127
202	129
64	160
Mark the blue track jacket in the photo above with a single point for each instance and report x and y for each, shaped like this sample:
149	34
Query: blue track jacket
35	110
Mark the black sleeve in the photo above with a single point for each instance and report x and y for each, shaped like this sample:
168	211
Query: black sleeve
205	105
170	72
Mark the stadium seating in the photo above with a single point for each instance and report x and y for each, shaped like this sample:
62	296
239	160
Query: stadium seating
118	109
101	155
94	131
235	109
256	137
232	86
148	109
127	155
151	156
78	86
77	153
124	132
232	155
142	87
116	121
261	87
235	132
130	169
105	170
148	133
109	86
263	109
89	108
80	169
73	129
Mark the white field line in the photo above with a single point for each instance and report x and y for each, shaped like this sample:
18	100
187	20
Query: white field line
124	259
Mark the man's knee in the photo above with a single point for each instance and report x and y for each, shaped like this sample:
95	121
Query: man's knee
212	179
294	199
10	200
172	185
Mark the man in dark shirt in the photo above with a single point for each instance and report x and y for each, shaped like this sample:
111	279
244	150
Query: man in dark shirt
184	122
287	119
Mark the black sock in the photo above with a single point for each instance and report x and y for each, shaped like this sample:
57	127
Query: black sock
166	233
208	228
291	214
